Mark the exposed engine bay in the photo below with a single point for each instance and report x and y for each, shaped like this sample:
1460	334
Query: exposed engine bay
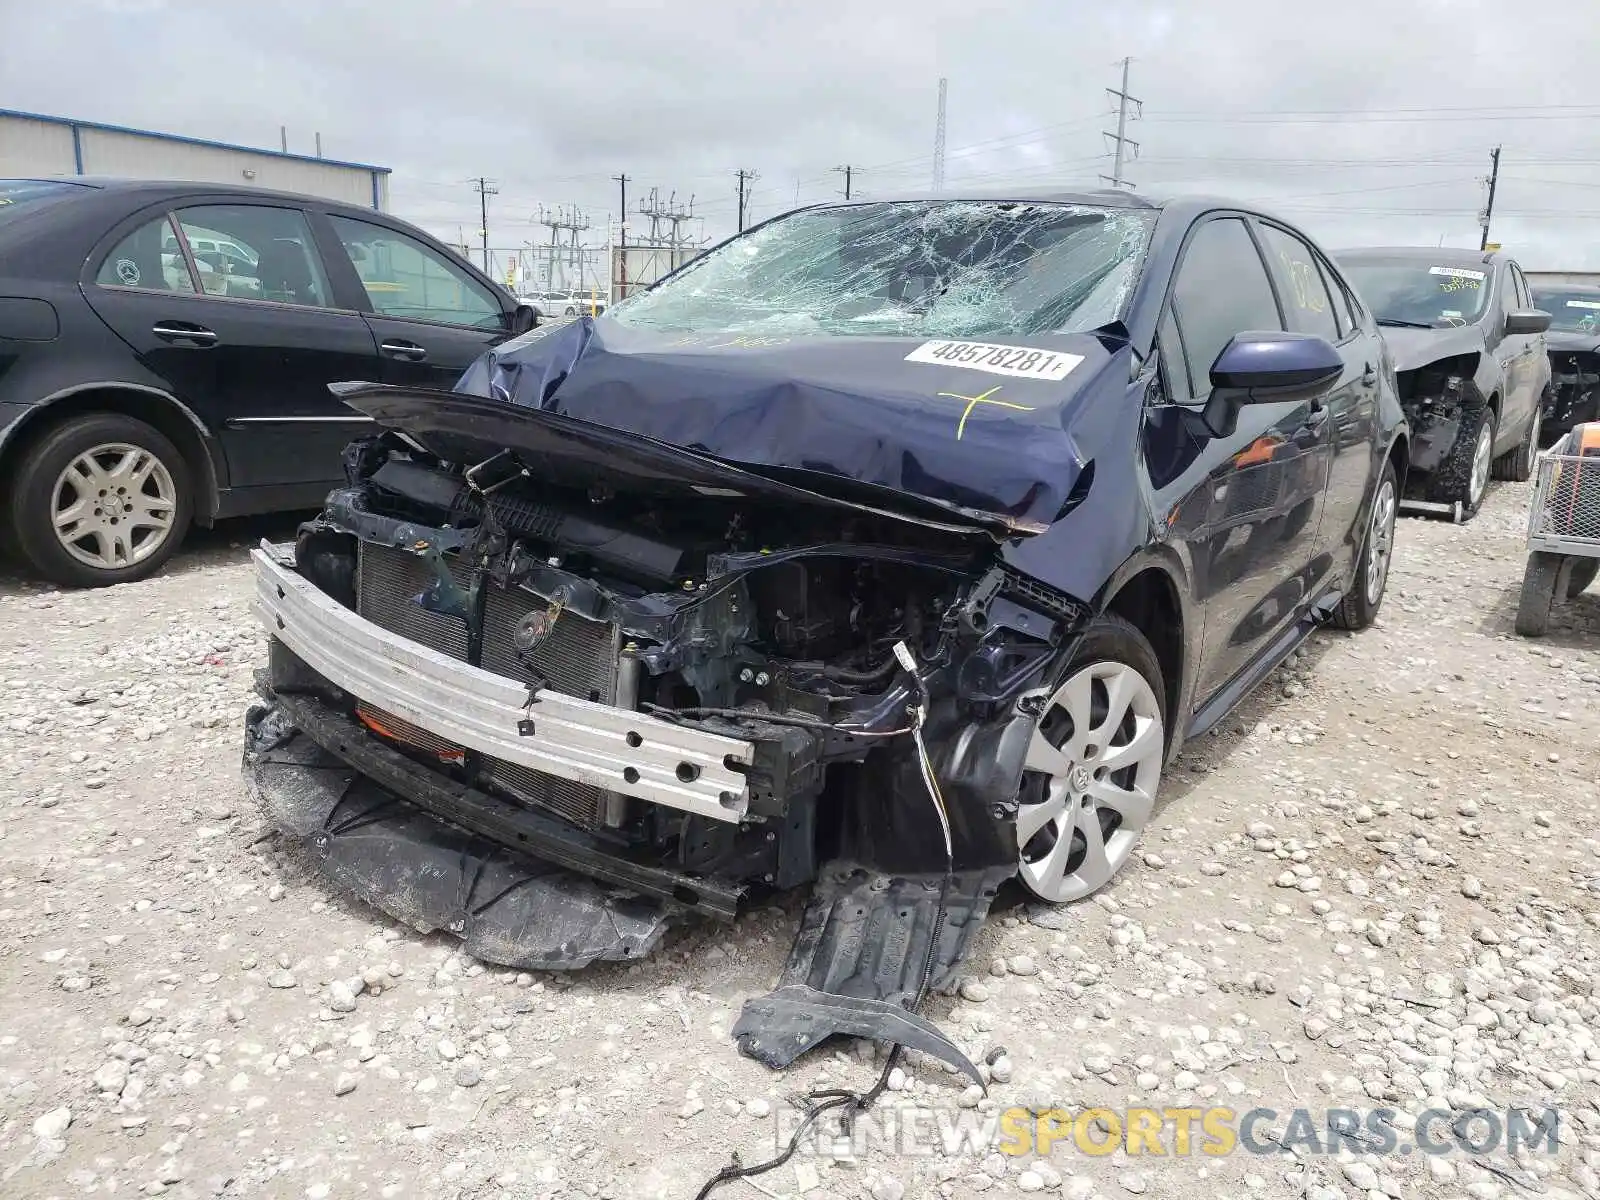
1574	389
589	709
1444	407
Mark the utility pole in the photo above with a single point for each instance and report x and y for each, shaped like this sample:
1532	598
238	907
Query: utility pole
938	139
620	282
1120	138
1488	209
849	173
744	195
484	190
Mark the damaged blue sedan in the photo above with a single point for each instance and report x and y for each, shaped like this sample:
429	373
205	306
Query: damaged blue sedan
891	549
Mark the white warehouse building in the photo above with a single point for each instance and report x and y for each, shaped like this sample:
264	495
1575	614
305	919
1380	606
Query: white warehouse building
35	146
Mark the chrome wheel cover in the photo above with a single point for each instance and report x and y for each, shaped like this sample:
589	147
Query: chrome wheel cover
1090	782
113	506
1380	541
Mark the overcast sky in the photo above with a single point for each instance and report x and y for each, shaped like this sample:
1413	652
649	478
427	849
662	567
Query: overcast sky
553	100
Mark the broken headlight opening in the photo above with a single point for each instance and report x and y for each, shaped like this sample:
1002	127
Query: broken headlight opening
553	718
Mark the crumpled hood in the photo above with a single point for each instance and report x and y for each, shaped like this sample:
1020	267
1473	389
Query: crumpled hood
1413	348
1586	343
894	413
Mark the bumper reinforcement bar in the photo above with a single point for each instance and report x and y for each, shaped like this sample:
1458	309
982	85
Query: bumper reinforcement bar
609	748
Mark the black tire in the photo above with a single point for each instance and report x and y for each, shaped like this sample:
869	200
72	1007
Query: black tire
1539	580
32	495
1359	607
1452	482
1582	574
1517	465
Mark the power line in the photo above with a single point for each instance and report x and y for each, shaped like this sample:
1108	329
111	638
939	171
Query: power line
1120	138
847	171
481	186
938	139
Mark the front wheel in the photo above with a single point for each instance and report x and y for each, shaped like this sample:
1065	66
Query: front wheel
1361	602
1463	477
1093	766
1517	466
101	499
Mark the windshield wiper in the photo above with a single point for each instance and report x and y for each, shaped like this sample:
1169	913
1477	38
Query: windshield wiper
1403	324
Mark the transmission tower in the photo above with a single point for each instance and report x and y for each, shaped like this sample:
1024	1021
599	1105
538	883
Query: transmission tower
1120	138
938	140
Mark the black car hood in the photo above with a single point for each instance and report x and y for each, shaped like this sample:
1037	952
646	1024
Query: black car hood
1413	348
1558	339
865	418
467	430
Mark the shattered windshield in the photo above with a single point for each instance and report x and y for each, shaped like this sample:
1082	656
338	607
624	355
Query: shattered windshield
1414	291
955	269
1571	312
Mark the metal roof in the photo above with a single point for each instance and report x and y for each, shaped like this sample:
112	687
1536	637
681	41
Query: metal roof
73	123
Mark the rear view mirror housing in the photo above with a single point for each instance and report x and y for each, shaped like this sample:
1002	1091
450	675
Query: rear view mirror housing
1526	321
523	318
1264	367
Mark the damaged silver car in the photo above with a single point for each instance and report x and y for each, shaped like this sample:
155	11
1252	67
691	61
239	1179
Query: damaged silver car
890	548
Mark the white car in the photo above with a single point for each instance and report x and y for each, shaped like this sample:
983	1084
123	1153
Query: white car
564	303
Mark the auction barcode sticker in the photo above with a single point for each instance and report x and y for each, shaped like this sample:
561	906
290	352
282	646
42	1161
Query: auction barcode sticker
1025	362
1458	273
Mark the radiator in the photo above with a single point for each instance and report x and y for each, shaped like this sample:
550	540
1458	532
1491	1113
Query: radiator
579	658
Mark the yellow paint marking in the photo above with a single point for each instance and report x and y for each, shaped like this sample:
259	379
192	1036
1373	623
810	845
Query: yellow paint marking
974	401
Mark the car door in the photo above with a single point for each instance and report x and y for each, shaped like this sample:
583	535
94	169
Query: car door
1510	351
250	349
1535	354
430	315
1255	546
1339	439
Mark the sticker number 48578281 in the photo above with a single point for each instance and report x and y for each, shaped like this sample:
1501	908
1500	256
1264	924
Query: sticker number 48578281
1021	361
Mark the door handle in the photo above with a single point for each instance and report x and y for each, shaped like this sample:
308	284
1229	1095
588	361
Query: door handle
409	351
198	334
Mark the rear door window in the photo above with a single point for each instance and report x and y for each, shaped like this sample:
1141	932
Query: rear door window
149	259
256	252
1303	289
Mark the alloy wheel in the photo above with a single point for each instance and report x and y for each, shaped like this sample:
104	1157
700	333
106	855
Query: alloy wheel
1482	461
1380	541
1092	771
113	506
1531	455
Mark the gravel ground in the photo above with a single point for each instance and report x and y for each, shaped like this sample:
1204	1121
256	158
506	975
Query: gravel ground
1378	885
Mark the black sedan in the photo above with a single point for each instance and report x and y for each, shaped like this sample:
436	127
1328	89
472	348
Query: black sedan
1468	346
1574	347
1064	475
166	350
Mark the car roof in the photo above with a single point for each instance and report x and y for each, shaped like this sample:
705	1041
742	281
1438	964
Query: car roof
1444	256
1180	204
158	188
1575	289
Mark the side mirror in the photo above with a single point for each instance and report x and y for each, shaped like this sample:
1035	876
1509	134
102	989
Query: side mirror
524	318
1527	320
1260	368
